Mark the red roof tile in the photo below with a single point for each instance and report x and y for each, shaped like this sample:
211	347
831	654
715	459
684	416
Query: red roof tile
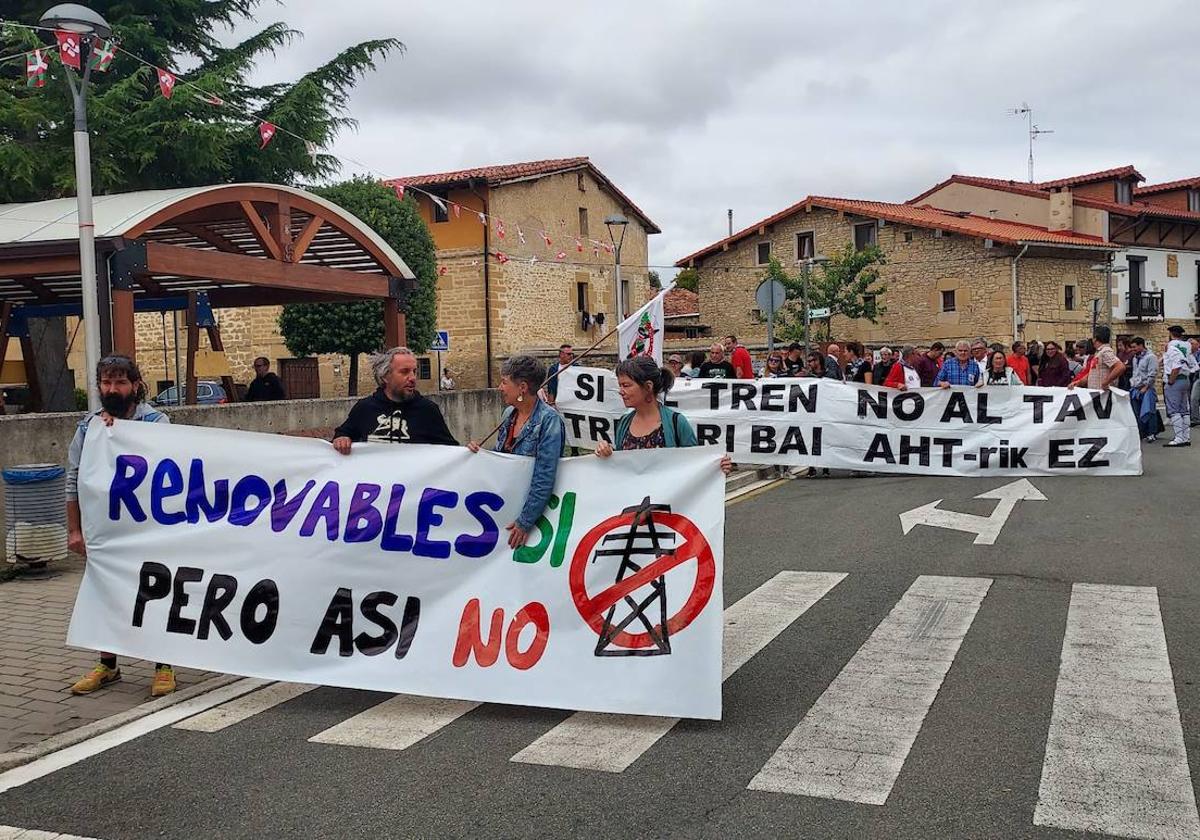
1093	177
924	216
1022	187
496	176
679	302
1182	184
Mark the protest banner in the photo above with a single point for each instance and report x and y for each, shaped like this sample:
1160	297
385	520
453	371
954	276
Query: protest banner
388	569
825	423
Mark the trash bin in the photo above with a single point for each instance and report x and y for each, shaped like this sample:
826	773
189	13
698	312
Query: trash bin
35	513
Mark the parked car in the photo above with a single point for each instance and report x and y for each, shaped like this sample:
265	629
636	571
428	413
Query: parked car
207	393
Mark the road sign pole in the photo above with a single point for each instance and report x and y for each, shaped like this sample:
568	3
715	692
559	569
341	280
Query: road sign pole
771	326
439	366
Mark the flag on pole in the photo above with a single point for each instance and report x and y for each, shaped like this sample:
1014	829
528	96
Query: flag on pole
103	54
68	48
266	131
641	334
35	69
166	81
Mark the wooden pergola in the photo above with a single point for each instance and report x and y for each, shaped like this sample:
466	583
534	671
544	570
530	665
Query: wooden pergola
235	245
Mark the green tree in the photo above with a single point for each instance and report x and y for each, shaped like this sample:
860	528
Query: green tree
354	328
655	280
848	285
141	140
688	279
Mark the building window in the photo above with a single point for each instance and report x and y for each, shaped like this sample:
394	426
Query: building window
864	235
870	303
583	225
625	301
1194	201
581	296
580	182
762	253
424	369
948	300
806	245
441	212
908	236
1069	298
1124	192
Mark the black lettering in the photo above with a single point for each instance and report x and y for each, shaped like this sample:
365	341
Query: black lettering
176	623
1060	454
906	412
742	393
881	448
1072	407
408	625
793	441
338	621
1038	401
981	411
770	396
762	439
1016	457
598	429
217	597
154	583
372	645
816	440
263	594
584	386
575	420
707	433
985	455
921	450
799	395
947	445
1095	444
714	388
1102	403
729	441
875	401
956	408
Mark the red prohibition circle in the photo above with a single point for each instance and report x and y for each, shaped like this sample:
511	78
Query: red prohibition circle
695	547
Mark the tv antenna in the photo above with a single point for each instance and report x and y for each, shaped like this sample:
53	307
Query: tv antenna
1027	112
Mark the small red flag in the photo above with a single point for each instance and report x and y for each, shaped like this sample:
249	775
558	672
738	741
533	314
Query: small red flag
562	255
68	48
457	210
578	245
441	270
266	131
166	81
501	257
500	228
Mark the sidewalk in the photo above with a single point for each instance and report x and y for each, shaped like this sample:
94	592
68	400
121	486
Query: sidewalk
37	668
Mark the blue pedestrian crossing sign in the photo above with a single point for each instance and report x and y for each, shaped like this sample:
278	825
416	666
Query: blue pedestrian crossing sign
441	341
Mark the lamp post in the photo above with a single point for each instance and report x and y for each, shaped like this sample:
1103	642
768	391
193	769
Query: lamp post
809	263
616	220
71	17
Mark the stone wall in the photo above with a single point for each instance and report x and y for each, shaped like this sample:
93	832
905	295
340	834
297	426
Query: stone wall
920	267
44	438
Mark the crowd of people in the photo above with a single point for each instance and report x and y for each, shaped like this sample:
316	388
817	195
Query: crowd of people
1096	363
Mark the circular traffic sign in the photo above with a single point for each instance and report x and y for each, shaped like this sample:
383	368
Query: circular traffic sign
770	295
694	547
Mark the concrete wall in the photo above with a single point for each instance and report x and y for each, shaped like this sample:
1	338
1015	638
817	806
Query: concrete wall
44	438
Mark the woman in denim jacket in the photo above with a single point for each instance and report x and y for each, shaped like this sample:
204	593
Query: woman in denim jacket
529	427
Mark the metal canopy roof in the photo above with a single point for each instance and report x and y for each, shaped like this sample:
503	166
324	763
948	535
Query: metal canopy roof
292	236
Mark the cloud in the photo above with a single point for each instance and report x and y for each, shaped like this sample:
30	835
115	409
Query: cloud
696	107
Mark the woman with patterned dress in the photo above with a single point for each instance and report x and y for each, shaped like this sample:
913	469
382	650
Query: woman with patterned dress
650	424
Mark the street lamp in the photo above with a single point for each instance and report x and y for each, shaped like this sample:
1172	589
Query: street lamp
809	263
616	220
71	17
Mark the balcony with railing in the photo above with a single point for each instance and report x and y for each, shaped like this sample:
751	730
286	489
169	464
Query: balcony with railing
1144	306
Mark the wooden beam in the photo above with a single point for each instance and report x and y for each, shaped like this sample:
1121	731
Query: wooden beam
5	311
214	341
1137	233
1188	238
193	344
177	261
44	295
124	333
395	332
211	237
33	266
300	246
28	354
260	296
259	229
281	225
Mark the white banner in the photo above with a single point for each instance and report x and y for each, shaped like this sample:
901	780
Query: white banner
389	569
641	334
1008	431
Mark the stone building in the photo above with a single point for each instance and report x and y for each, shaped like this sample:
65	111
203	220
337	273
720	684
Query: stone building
536	270
950	274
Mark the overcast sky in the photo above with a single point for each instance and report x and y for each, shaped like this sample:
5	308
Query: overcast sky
695	107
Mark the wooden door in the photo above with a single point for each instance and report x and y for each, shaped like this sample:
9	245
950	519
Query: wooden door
300	377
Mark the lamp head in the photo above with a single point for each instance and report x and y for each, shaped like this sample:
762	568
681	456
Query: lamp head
616	219
72	17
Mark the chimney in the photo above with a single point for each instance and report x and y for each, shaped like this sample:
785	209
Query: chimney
1062	211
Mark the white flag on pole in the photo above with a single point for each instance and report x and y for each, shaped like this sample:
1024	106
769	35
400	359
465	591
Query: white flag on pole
642	333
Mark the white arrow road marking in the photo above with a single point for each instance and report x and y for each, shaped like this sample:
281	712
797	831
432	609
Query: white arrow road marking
985	528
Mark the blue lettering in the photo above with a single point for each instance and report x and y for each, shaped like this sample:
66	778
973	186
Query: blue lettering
428	518
129	472
481	544
325	506
250	486
283	509
391	540
363	522
167	481
197	497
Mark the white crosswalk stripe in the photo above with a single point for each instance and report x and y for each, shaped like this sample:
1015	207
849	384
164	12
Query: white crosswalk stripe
246	706
1115	757
395	724
593	741
852	743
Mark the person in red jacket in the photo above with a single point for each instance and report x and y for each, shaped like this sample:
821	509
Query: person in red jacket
739	357
1019	362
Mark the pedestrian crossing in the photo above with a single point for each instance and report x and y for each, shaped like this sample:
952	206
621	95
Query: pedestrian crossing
1115	760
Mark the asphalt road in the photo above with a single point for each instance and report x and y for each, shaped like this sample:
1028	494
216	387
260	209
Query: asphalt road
973	770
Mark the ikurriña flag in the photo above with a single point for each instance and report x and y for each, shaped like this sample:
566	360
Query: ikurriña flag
641	334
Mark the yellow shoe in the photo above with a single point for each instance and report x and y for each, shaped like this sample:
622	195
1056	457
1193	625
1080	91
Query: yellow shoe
164	681
97	678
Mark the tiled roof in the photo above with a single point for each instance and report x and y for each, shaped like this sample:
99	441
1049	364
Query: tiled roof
1021	187
679	302
495	176
1092	177
1182	184
924	216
